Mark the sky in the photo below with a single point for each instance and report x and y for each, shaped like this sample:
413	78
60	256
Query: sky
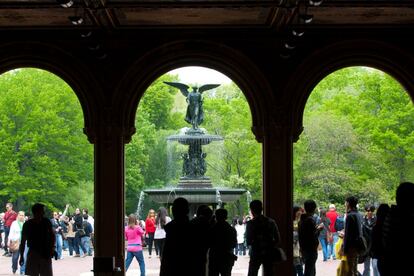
200	75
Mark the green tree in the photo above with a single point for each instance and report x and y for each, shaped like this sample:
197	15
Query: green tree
43	151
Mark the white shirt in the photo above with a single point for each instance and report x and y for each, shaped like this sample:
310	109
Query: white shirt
240	229
160	232
15	231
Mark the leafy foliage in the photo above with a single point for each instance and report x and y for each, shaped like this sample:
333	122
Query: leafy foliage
357	140
43	152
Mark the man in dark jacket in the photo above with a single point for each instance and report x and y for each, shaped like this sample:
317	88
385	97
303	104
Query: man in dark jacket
308	237
353	232
262	235
222	241
397	229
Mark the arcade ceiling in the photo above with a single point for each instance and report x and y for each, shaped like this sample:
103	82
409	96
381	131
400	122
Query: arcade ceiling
267	14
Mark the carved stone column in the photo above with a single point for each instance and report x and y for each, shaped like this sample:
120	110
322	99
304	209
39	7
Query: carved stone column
278	185
109	199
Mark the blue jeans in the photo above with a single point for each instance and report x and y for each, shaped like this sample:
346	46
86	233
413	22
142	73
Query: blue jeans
71	245
324	244
140	258
15	260
58	244
367	267
331	246
85	244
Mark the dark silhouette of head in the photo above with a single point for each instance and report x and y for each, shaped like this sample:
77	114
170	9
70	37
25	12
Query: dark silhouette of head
405	195
38	210
352	202
221	215
256	207
310	206
203	211
382	212
180	208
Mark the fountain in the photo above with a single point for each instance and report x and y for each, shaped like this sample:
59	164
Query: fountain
194	185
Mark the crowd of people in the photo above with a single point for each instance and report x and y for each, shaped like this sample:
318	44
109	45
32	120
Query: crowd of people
376	240
208	241
73	233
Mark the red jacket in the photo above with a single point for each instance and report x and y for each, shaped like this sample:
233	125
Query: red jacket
9	217
150	225
332	215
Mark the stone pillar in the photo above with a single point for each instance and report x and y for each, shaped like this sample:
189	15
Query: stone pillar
109	200
278	186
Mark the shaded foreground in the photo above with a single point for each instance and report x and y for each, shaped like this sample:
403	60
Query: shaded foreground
71	266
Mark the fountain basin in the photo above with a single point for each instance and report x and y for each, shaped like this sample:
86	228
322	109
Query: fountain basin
194	195
201	139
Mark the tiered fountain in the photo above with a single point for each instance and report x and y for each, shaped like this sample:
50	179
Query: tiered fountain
194	185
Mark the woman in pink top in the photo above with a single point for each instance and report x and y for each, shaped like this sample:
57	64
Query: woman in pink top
133	234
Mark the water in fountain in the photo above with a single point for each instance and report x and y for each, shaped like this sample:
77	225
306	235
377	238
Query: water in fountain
248	197
140	204
218	199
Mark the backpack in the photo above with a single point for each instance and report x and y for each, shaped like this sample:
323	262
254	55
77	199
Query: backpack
339	223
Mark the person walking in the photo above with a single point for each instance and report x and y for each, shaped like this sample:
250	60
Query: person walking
177	257
9	216
396	238
200	227
297	258
325	236
308	237
85	235
58	230
332	214
70	236
134	234
352	243
262	235
241	233
377	247
15	237
40	237
159	235
368	223
150	231
222	241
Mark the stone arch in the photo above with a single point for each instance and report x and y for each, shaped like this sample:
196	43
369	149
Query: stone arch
388	58
59	63
193	53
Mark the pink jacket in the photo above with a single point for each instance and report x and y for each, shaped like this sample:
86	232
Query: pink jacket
133	236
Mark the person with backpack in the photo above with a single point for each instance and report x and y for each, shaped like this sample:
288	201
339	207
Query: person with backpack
332	215
85	235
262	234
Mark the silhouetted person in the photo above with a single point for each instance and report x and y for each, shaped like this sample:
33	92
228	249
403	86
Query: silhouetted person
353	233
368	223
222	240
308	237
262	235
38	233
397	229
200	227
377	248
178	247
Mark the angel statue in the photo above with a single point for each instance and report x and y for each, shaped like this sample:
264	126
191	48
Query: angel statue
195	113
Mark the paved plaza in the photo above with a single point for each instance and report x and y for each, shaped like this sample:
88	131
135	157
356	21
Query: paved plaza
70	266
